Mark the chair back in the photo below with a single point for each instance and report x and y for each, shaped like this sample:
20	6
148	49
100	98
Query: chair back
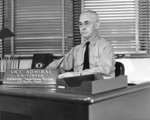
120	69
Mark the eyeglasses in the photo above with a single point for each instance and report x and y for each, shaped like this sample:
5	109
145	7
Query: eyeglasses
86	24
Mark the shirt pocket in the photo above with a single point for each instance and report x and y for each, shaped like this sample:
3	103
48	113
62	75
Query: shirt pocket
95	61
78	63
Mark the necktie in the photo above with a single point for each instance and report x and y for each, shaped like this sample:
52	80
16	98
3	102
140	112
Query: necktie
86	57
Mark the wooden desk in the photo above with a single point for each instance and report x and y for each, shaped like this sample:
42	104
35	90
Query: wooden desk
132	103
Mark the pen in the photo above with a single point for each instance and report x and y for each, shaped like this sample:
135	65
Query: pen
59	68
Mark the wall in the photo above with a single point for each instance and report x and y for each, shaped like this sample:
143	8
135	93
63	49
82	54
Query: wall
137	70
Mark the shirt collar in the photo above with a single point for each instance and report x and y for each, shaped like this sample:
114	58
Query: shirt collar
92	41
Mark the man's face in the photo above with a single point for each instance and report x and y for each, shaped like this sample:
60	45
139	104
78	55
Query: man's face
87	26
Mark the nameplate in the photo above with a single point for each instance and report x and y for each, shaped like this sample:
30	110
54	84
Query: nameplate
30	76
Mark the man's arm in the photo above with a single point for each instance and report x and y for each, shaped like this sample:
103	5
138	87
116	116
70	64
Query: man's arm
65	63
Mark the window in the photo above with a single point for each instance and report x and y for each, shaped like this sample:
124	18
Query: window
125	23
42	26
47	26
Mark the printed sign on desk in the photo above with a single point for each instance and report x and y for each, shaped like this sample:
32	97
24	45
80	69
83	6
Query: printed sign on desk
30	77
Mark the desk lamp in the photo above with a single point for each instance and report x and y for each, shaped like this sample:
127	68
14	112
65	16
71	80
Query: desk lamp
4	33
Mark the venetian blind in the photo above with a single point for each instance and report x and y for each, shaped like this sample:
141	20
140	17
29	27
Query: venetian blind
144	25
68	25
43	26
1	22
76	14
119	23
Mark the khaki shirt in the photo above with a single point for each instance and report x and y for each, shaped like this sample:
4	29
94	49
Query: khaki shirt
101	58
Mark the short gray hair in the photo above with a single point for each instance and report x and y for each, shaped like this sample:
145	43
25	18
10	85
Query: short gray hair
94	13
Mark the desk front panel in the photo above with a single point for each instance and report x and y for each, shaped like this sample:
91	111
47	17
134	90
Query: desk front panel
132	103
18	108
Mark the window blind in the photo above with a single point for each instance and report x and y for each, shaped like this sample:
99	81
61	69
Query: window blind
7	24
76	13
118	23
1	22
144	25
68	25
43	26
